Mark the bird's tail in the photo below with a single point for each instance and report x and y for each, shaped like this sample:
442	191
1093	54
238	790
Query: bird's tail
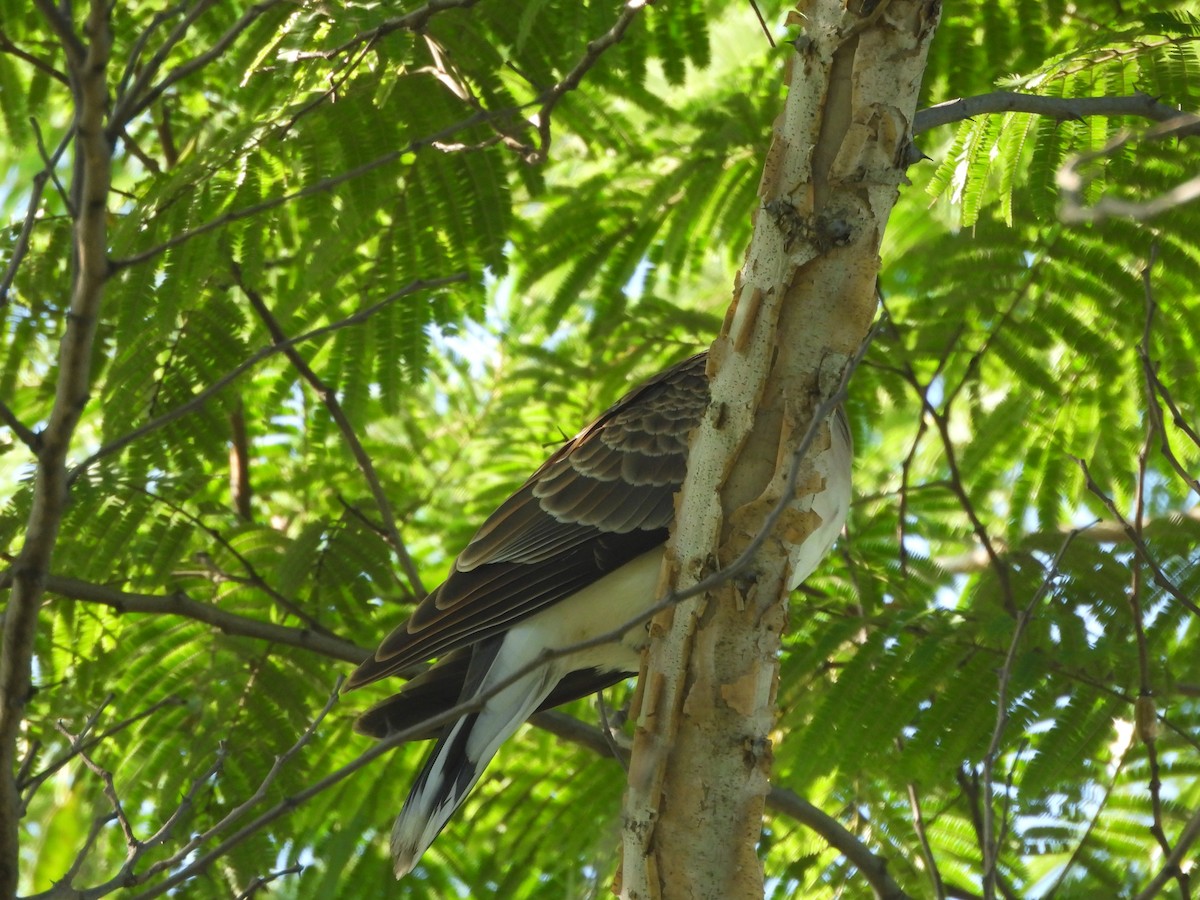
459	758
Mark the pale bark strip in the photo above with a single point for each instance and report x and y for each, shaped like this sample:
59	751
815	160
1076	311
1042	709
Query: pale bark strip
803	302
93	170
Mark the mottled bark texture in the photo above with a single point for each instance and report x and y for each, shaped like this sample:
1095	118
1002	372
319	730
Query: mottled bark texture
802	304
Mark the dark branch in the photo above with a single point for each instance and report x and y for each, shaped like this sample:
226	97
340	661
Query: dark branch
329	397
207	394
180	604
1062	108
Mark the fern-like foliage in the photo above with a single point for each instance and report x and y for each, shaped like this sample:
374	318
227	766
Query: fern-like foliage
375	182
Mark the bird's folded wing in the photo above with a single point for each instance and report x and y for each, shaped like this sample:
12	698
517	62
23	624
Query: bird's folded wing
604	498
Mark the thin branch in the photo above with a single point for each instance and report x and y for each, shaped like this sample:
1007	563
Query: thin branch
28	786
241	491
414	21
94	831
149	71
93	172
205	395
595	50
1073	183
126	877
935	875
329	397
1153	384
42	65
968	782
110	789
238	812
1172	864
1145	717
24	433
180	604
872	867
253	579
1062	108
189	799
1103	531
134	57
51	162
64	29
988	838
262	881
1139	546
958	488
140	96
36	187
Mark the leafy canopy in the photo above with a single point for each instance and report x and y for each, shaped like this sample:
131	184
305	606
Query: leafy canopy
330	162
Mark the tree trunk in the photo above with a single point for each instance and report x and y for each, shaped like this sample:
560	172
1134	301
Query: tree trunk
802	305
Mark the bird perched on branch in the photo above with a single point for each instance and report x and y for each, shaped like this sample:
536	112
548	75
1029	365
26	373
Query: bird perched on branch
572	555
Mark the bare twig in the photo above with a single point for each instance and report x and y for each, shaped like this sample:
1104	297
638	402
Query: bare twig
110	789
92	175
988	837
1073	183
1062	108
42	65
32	210
329	397
85	850
1139	546
935	875
762	23
23	432
29	785
262	881
872	867
205	395
126	877
1150	370
180	604
140	95
595	50
1172	864
414	21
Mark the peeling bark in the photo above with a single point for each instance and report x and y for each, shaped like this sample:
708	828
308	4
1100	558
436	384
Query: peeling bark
802	304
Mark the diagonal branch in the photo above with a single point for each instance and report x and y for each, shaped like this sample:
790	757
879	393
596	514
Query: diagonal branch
595	49
1139	546
118	444
180	604
32	211
42	65
329	397
141	96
